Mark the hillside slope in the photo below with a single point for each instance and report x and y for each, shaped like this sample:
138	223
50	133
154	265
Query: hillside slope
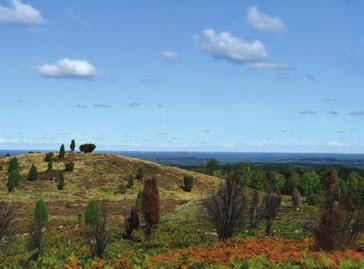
96	176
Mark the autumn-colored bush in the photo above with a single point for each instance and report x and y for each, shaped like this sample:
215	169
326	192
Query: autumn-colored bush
151	205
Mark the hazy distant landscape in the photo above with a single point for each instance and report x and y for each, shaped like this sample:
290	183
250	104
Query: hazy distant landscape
179	158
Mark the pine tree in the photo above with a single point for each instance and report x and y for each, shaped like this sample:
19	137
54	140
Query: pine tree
33	173
60	184
41	212
13	165
61	152
188	183
50	166
130	182
151	205
92	215
73	145
36	232
12	180
138	201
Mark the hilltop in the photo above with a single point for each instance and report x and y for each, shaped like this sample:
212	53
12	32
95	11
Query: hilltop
96	176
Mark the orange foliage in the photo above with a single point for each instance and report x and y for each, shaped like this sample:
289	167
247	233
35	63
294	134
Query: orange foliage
275	249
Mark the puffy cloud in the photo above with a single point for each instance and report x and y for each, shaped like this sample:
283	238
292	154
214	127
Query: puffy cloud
170	56
226	46
19	13
358	113
68	68
268	66
264	22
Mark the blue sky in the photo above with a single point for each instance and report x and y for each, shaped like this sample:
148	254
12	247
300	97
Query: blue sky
214	75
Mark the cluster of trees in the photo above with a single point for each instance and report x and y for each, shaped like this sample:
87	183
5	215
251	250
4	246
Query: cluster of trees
14	170
284	179
341	221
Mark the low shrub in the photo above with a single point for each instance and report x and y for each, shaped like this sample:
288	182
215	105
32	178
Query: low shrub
69	167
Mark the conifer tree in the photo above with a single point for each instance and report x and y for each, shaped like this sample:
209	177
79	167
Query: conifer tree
13	165
61	152
188	183
33	173
138	201
60	184
73	145
130	182
36	232
50	166
12	181
41	212
92	214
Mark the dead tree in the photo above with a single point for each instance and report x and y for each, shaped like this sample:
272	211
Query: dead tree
226	208
296	198
254	210
342	217
7	214
269	211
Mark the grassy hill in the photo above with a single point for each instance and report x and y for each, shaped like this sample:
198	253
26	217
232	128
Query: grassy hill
95	176
183	239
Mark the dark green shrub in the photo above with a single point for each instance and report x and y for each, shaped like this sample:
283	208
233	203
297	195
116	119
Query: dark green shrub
48	157
50	165
73	145
122	188
138	201
41	212
62	152
130	182
36	233
92	214
33	173
60	183
95	231
13	165
12	180
87	148
69	167
140	173
188	183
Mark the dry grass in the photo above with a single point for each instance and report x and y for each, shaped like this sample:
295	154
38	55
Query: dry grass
96	176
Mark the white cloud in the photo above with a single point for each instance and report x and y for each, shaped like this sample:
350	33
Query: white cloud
264	22
68	68
170	56
226	46
268	66
19	13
